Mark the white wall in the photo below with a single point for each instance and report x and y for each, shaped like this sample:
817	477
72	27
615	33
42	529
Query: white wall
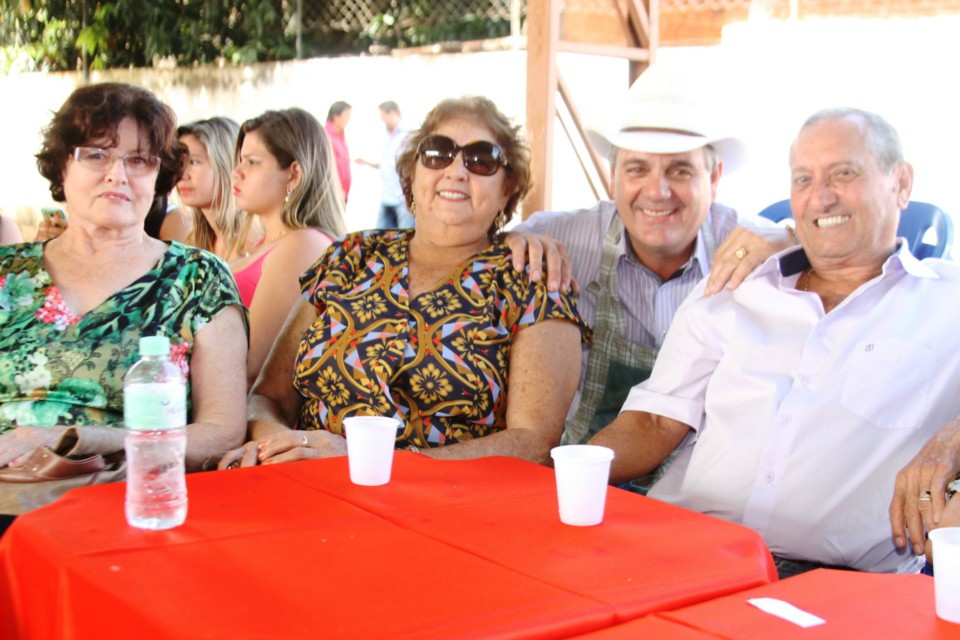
770	77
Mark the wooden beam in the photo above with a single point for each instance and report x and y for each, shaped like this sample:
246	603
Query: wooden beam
543	32
595	158
639	22
627	53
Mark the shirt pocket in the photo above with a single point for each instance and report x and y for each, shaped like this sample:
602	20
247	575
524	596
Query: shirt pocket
888	382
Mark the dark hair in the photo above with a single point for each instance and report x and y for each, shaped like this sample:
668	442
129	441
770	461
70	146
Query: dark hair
518	180
389	107
94	112
336	109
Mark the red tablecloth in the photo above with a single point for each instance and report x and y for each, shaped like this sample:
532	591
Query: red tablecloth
854	605
447	549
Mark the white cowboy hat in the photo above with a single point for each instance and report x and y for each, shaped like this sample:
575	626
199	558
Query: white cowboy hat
668	110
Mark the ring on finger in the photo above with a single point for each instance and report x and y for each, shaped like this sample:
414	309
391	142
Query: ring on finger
926	496
741	253
304	436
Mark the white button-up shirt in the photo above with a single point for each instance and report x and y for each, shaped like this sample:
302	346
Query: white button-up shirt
802	419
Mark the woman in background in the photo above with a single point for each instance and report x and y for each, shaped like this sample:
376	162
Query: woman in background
217	224
283	174
9	231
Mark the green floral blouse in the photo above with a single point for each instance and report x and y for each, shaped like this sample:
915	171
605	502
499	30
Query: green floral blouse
60	369
438	363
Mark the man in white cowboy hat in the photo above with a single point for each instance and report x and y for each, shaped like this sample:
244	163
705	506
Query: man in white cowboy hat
638	256
796	398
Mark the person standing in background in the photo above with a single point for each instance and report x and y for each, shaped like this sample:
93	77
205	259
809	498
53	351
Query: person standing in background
337	118
393	210
9	231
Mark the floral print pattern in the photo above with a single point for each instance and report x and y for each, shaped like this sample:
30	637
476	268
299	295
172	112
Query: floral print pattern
60	369
439	362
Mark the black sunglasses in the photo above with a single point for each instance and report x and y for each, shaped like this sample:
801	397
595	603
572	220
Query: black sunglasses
481	158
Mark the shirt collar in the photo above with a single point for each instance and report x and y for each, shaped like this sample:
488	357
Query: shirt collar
699	258
793	260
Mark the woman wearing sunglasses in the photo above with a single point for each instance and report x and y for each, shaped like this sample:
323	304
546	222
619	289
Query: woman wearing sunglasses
431	325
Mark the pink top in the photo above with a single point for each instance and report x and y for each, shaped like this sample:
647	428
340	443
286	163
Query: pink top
248	277
341	155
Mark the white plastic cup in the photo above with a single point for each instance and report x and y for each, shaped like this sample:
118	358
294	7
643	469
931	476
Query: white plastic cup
583	471
370	444
946	572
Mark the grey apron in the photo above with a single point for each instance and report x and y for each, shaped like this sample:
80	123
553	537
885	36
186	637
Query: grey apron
614	364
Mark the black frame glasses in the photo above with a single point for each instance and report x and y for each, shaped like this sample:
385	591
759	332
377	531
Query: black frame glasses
481	158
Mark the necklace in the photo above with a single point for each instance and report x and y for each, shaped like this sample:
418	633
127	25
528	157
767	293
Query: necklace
807	275
277	237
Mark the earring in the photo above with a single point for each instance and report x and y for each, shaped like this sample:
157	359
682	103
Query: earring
501	220
289	191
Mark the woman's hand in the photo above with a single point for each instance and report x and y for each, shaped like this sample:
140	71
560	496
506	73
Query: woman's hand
285	446
50	229
532	249
17	444
244	456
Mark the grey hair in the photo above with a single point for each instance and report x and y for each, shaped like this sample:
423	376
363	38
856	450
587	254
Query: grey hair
882	139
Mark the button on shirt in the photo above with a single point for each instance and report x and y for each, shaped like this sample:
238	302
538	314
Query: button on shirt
802	419
648	303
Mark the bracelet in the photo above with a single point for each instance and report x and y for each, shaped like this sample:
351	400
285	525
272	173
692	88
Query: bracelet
953	487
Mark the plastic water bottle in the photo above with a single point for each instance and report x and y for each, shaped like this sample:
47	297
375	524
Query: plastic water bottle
155	413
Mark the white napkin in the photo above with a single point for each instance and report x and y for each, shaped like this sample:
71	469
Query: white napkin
786	611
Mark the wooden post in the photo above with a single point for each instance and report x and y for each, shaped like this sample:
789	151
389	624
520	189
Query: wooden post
543	32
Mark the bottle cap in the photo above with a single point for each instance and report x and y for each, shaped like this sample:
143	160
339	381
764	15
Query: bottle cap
154	346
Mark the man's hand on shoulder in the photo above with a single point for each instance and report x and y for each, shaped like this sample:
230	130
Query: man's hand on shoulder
744	250
530	248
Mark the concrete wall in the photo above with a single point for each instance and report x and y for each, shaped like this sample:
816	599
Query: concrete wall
769	76
416	82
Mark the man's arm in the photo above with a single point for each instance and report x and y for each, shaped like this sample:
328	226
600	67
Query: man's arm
937	463
640	441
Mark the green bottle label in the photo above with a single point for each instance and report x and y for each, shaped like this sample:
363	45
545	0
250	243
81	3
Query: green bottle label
154	406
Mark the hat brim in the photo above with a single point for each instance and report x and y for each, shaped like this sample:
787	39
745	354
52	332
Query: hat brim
731	150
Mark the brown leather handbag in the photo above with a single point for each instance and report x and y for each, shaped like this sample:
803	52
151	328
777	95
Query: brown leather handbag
49	473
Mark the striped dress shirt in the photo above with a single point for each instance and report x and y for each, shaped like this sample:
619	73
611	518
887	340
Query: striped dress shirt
648	303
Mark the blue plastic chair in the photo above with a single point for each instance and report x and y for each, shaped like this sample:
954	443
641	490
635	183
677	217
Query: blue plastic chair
928	230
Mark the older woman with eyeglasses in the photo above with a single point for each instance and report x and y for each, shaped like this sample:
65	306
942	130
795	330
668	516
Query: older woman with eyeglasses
432	326
72	309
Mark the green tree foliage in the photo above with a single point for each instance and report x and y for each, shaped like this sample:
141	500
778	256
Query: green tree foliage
54	35
68	35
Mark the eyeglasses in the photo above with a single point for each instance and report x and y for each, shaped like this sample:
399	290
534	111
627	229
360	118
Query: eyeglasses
481	158
135	164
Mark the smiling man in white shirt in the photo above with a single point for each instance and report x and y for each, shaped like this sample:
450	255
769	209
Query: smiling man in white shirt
797	397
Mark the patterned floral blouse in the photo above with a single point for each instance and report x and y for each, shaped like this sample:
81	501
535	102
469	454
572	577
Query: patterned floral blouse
438	363
60	369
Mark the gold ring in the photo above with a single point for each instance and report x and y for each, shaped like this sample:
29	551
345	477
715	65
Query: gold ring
926	496
741	253
304	436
